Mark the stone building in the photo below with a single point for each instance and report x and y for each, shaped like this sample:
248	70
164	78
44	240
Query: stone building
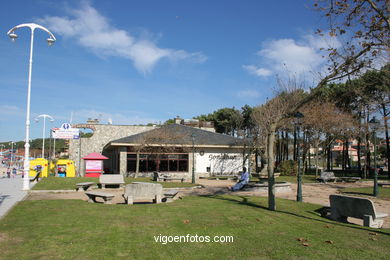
102	135
176	150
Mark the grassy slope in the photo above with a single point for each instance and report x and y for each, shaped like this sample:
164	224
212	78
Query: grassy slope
70	229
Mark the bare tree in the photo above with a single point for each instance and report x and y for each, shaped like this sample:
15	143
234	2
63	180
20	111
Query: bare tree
268	118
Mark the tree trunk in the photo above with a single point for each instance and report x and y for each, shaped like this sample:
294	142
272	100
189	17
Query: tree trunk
387	139
137	166
317	149
368	153
295	145
271	162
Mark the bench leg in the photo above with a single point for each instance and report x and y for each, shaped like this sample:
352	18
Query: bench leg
368	221
107	200
130	200
157	199
103	186
91	199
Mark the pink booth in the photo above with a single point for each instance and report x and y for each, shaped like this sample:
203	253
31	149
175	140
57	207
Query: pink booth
94	164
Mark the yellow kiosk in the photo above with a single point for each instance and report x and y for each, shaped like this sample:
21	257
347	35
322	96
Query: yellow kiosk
37	164
65	168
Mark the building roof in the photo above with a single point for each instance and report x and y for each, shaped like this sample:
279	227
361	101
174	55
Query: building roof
176	134
95	156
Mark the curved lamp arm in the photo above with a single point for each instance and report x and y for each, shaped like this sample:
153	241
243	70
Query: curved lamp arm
32	26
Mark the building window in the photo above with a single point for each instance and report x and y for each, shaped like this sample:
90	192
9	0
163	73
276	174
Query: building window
158	162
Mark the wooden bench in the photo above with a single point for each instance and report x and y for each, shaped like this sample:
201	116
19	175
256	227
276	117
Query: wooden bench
111	179
342	207
142	191
327	176
84	186
92	195
384	184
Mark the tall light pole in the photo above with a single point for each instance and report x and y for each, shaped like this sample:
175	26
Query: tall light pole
374	125
44	116
11	33
193	157
298	121
12	152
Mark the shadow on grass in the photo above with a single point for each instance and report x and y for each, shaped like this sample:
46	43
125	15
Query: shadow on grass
244	201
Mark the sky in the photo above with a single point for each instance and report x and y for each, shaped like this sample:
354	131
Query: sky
146	61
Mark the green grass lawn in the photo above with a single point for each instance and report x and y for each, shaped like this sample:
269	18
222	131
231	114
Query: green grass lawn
74	229
55	183
384	193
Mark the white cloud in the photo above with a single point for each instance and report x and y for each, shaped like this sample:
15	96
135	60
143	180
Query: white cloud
7	111
248	93
261	72
93	31
289	56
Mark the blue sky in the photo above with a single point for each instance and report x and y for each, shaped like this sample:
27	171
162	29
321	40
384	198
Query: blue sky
137	62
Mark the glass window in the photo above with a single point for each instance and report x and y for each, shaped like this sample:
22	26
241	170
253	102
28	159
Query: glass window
131	165
163	166
183	156
183	166
131	156
152	165
143	165
173	156
173	165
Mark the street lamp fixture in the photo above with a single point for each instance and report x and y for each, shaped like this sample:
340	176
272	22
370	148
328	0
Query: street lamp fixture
44	116
374	125
298	118
193	135
11	33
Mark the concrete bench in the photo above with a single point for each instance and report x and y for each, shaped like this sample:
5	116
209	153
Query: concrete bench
225	177
327	176
349	179
84	186
111	179
92	195
384	184
168	179
170	195
142	191
342	207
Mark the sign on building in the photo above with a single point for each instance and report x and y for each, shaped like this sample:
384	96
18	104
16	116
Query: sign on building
65	132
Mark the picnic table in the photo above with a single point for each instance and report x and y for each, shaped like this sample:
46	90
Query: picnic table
83	186
92	195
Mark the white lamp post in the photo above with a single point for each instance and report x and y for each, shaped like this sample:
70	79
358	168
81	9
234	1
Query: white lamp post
12	153
11	33
44	116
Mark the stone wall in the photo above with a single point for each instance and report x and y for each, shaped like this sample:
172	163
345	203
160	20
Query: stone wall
102	135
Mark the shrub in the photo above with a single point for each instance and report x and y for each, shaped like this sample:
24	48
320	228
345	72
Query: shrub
288	168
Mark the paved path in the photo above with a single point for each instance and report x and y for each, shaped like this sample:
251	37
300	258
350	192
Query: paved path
10	193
